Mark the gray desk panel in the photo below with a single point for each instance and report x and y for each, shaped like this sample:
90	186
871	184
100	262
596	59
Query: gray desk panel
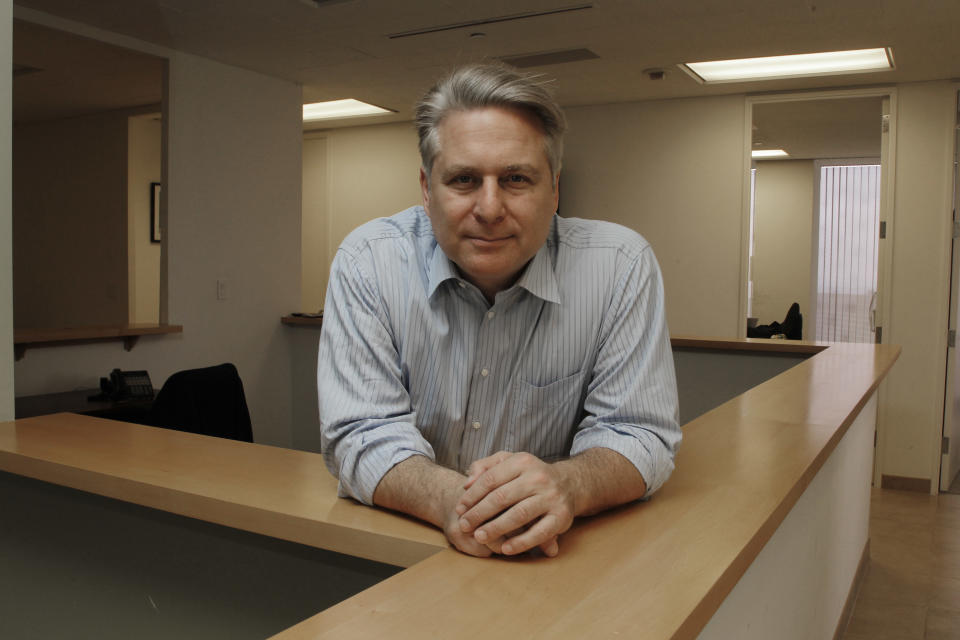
77	565
706	378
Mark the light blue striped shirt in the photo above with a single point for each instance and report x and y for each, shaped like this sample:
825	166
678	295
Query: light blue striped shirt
414	360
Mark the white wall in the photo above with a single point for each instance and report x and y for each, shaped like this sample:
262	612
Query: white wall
6	217
921	236
673	171
233	201
783	236
144	138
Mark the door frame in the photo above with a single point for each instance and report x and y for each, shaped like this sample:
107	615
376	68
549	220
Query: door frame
950	399
884	263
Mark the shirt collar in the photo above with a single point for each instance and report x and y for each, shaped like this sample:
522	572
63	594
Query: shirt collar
441	270
538	277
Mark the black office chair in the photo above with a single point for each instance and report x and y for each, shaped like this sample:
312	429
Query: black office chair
208	401
791	327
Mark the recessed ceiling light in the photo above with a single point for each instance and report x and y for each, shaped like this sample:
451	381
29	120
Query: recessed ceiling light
769	153
339	109
795	66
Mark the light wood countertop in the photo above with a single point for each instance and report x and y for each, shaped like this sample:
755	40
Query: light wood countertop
276	492
658	569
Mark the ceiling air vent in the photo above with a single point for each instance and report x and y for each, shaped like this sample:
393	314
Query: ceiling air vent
484	21
550	57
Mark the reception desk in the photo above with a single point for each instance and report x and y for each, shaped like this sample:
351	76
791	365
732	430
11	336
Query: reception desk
760	533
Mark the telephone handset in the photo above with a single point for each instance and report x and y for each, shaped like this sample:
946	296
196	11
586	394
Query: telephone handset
127	385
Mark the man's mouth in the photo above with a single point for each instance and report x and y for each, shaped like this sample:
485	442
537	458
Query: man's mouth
490	242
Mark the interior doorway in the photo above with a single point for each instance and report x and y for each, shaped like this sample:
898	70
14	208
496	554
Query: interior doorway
813	225
781	217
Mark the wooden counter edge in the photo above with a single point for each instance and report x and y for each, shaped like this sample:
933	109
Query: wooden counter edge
701	615
749	344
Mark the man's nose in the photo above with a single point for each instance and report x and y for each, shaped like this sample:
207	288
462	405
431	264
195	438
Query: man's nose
489	205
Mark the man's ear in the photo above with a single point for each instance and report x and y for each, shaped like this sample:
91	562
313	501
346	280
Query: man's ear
425	189
556	192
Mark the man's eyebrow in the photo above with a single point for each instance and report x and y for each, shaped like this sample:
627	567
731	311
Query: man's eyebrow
456	170
522	168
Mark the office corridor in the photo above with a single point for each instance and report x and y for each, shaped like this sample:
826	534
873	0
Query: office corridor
912	587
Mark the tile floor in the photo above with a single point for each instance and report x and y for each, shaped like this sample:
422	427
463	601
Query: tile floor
912	587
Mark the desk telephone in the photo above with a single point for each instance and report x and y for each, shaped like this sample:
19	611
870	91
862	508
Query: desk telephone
127	385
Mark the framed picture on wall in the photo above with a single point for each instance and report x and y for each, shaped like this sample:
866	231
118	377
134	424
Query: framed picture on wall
154	212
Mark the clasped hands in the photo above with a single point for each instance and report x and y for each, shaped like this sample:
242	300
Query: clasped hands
511	503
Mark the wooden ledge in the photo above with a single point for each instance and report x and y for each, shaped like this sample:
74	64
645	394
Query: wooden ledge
302	321
128	333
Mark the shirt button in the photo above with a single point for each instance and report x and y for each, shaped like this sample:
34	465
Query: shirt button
490	314
484	372
461	283
476	424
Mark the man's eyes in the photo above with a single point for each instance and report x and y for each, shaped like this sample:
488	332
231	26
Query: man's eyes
512	179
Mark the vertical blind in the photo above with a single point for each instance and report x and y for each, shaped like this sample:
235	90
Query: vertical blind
848	251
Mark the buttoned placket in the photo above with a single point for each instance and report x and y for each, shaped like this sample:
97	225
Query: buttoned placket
487	385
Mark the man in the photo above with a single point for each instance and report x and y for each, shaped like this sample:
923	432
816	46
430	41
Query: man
485	365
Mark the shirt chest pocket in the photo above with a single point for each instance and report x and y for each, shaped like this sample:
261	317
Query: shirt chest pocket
542	418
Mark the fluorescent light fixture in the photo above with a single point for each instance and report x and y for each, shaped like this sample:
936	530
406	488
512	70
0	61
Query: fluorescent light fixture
348	108
796	66
769	153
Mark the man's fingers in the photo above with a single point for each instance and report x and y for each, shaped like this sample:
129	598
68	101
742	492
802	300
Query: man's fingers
550	548
522	513
480	466
489	482
539	535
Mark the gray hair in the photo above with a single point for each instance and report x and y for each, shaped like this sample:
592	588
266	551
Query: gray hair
490	85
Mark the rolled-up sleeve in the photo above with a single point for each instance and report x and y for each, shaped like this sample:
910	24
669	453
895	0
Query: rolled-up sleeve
367	422
631	404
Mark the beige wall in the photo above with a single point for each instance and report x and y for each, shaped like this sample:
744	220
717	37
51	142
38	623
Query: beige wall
6	218
920	233
351	176
783	231
673	171
372	172
233	195
143	256
315	231
69	222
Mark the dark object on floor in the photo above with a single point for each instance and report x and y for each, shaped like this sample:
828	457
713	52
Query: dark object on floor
791	327
208	401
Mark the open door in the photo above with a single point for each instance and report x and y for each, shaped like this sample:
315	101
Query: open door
950	450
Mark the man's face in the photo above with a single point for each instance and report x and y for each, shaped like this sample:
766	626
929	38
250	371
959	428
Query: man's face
490	196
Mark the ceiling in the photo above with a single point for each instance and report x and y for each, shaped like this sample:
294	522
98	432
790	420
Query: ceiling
363	49
59	75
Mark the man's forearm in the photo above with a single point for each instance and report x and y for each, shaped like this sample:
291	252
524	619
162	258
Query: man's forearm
420	488
601	478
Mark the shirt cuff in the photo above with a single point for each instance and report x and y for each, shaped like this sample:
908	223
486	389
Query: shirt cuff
360	474
643	449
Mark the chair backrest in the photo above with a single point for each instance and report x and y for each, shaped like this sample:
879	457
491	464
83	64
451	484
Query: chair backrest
208	401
